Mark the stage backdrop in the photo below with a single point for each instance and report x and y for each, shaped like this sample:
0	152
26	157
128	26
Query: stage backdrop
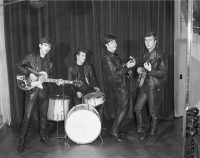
74	24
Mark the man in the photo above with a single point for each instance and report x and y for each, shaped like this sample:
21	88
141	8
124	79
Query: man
81	71
31	65
114	78
152	73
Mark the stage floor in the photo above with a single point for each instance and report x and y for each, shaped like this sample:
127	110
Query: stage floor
169	144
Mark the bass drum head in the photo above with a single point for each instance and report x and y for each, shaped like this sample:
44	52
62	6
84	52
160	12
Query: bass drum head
83	124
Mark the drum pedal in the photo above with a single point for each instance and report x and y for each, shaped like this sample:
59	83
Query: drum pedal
101	138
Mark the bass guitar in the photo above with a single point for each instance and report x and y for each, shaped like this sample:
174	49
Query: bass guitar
25	83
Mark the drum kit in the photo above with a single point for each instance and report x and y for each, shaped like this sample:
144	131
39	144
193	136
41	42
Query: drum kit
82	123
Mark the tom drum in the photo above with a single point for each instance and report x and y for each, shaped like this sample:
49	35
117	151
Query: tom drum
94	99
56	110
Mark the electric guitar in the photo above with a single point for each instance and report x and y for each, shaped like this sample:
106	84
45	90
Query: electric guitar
25	83
143	75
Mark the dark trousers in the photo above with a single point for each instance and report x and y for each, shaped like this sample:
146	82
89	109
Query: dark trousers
32	97
146	95
120	101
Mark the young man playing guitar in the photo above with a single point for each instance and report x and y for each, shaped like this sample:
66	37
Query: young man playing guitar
114	73
152	71
36	61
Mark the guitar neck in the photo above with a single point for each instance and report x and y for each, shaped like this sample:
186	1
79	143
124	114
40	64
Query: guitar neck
56	80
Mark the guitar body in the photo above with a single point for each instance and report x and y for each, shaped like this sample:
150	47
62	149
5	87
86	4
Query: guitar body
141	78
149	59
23	82
26	83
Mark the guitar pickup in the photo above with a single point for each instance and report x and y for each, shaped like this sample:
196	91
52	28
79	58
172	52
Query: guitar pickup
22	77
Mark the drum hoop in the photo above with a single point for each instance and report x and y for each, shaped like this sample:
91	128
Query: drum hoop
60	97
96	114
79	105
102	95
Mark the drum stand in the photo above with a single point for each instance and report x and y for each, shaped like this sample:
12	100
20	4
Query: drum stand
64	115
101	138
100	114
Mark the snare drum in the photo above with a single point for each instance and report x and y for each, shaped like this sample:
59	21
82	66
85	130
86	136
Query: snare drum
94	99
83	124
56	108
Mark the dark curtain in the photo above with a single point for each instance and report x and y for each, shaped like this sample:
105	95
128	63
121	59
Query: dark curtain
74	24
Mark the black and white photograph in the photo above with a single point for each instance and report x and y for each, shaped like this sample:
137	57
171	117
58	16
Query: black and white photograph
99	79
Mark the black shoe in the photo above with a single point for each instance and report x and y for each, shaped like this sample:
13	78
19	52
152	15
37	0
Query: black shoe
20	146
117	137
44	139
141	135
123	136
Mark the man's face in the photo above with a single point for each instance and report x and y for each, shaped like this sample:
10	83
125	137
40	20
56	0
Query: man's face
44	48
81	57
112	45
150	42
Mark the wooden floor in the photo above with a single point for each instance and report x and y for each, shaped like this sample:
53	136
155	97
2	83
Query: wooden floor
169	145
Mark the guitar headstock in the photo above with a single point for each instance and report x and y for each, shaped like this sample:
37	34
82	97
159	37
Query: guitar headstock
78	83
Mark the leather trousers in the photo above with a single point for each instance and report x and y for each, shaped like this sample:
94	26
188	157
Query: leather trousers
34	96
120	104
148	95
117	120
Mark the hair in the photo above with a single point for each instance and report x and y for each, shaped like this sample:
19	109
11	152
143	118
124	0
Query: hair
81	50
109	38
151	33
46	40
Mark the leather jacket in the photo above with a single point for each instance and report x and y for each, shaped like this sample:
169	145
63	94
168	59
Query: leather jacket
157	75
73	74
33	61
114	70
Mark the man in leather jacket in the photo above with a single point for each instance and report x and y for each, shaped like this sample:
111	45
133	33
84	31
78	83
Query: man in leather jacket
114	71
81	71
30	65
152	72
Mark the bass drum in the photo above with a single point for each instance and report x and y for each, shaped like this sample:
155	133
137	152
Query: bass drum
83	124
